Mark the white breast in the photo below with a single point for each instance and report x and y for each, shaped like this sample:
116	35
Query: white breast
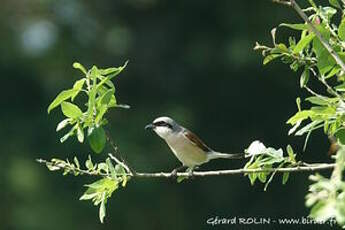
187	152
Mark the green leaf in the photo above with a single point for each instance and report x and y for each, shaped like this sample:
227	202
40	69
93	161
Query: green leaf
341	30
97	139
64	95
298	103
108	71
106	97
300	116
323	210
328	12
80	134
285	177
52	167
88	163
341	87
340	135
102	210
63	124
102	110
70	110
99	192
103	167
111	168
76	162
303	43
325	60
262	177
78	85
335	3
323	110
65	137
294	128
79	66
112	72
124	180
295	26
308	128
252	177
304	78
335	70
291	153
282	47
181	178
270	58
119	169
69	134
318	100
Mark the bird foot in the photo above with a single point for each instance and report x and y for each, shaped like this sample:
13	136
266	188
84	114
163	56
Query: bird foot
174	173
190	172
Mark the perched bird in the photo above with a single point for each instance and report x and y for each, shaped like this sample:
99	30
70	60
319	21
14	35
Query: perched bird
187	147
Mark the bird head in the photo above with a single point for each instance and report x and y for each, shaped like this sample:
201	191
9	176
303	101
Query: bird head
163	126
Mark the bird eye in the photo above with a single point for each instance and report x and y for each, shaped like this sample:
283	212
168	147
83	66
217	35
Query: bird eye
162	123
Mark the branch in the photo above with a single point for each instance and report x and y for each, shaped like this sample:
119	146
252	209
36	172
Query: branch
307	168
62	166
311	168
297	8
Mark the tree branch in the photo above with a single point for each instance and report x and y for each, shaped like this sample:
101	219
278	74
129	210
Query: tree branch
306	168
297	8
311	168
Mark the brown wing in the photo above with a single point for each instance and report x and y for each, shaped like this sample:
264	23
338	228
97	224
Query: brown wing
196	140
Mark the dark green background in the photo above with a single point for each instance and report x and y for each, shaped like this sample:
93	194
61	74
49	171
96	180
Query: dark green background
191	60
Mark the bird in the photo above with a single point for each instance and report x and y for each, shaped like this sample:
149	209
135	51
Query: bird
188	148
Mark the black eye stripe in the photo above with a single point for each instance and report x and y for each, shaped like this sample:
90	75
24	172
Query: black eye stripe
162	123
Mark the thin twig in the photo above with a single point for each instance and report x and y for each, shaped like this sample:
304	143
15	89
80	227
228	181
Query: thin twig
307	168
330	89
122	163
128	170
287	3
314	93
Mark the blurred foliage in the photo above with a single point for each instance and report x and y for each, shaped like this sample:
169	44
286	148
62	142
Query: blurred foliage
191	60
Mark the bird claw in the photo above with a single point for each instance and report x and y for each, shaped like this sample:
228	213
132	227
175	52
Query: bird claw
174	173
190	172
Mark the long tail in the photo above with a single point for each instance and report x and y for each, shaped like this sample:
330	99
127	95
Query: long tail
217	155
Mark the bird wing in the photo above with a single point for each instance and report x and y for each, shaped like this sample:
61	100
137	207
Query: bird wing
195	140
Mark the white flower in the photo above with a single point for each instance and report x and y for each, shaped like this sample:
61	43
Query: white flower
255	148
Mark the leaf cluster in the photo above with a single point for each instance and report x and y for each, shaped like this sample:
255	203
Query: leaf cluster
270	159
308	54
96	84
318	54
86	118
113	176
326	196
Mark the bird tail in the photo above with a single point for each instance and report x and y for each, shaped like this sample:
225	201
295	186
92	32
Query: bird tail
217	155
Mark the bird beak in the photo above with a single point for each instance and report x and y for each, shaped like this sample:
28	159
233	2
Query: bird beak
149	126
